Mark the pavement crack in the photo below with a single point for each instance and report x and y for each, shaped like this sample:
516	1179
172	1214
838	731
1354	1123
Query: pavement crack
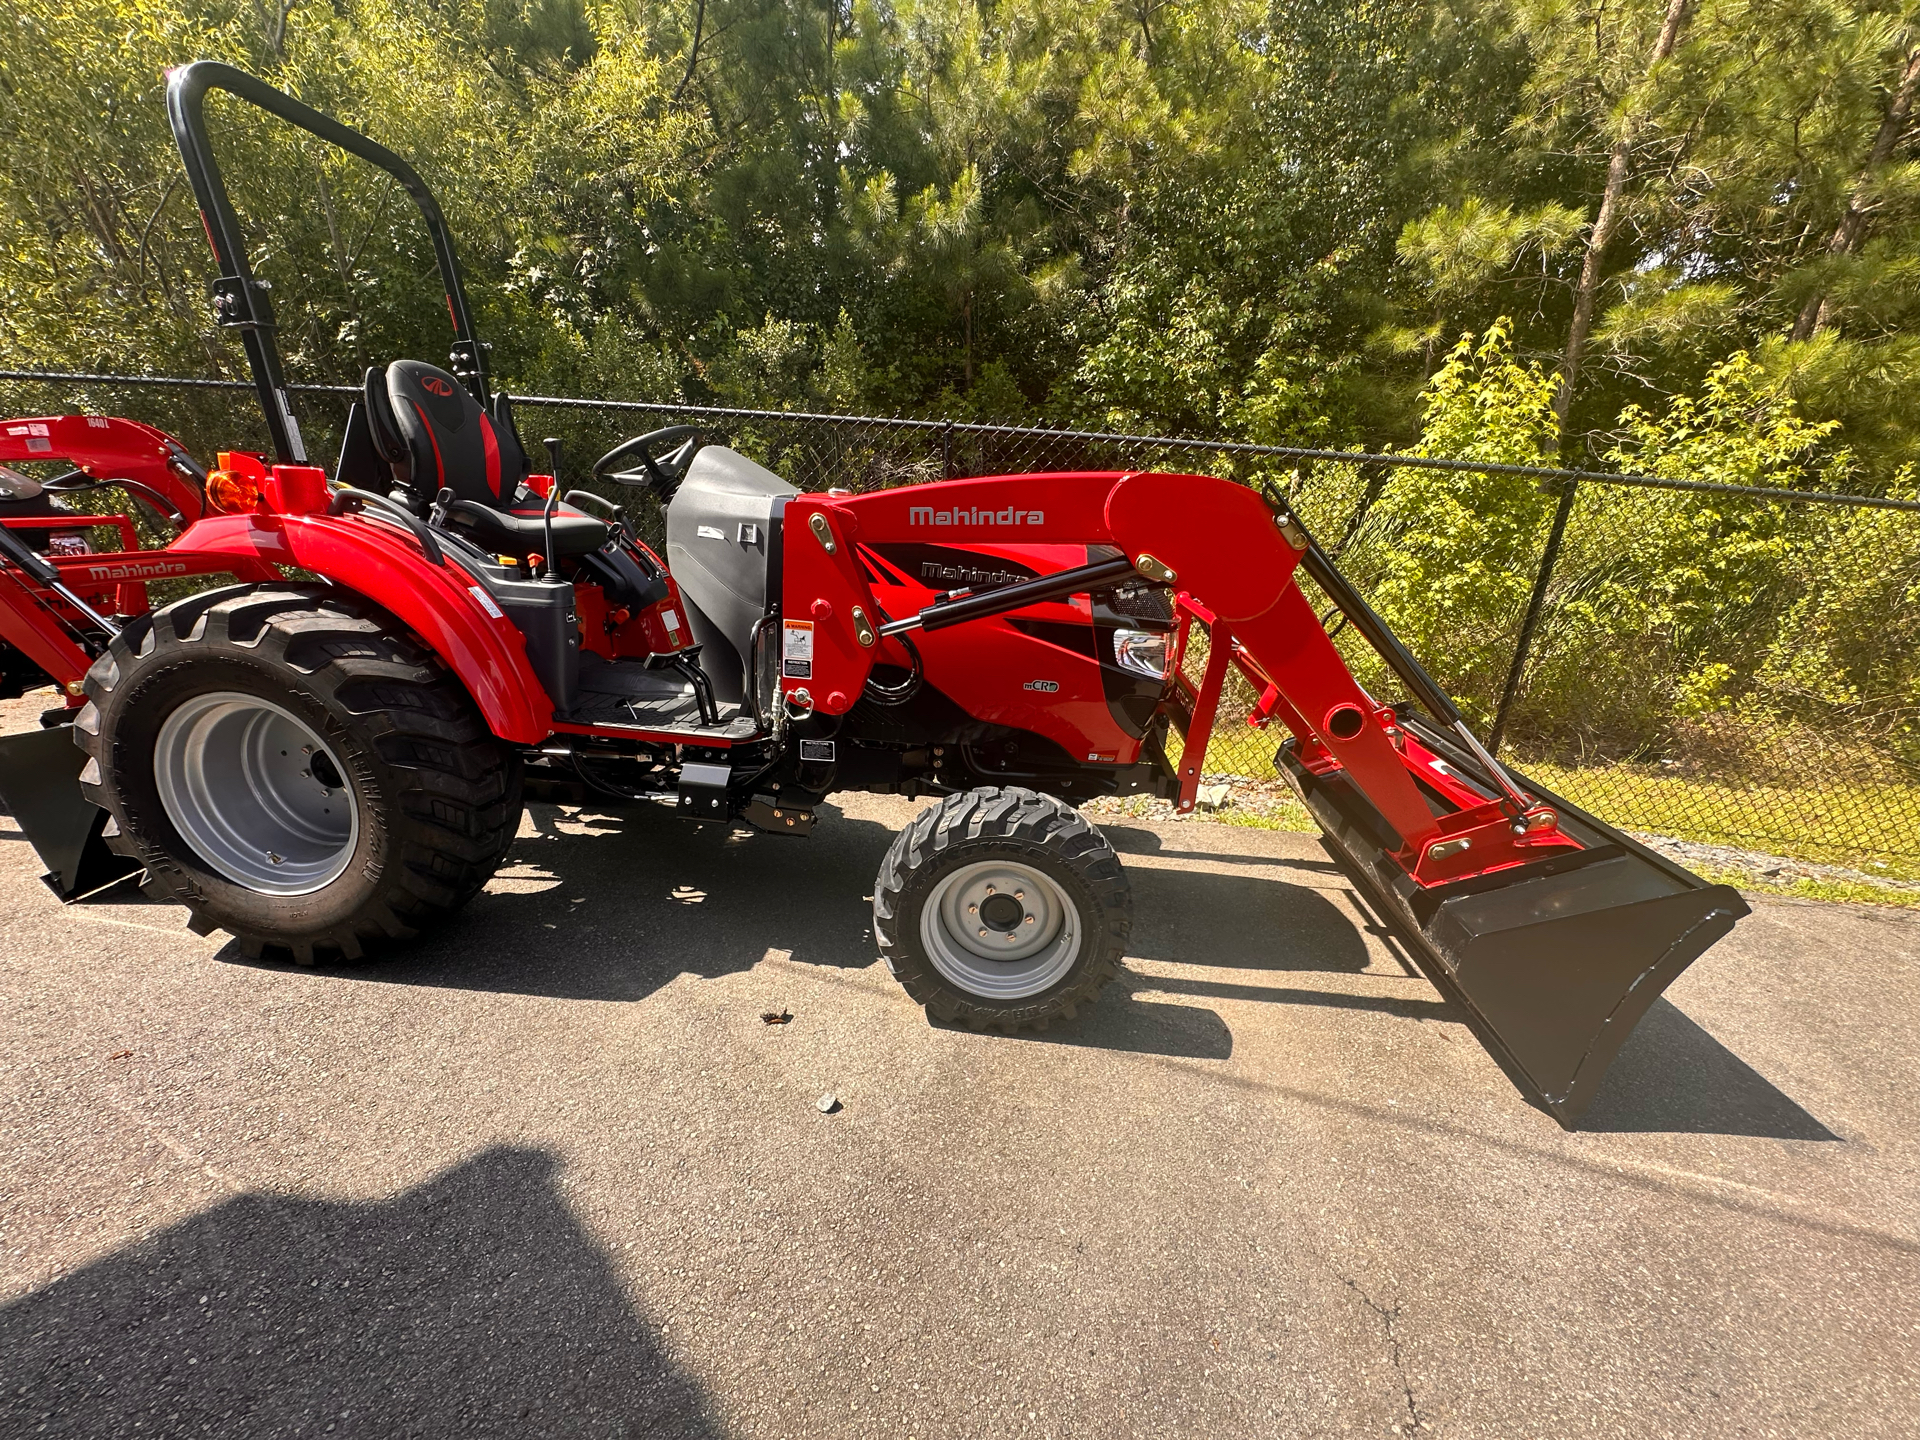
1389	1321
185	1153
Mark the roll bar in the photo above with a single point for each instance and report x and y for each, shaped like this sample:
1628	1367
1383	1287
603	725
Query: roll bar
239	300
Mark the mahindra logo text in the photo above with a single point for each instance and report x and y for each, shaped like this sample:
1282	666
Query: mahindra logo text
1012	515
154	571
968	575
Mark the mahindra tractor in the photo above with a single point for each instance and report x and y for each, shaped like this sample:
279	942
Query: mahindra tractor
329	752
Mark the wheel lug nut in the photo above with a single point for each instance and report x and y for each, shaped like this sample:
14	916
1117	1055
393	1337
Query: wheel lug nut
973	909
989	889
1019	894
983	934
1029	919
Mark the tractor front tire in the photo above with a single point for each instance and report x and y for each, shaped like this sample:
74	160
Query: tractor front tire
296	769
1002	907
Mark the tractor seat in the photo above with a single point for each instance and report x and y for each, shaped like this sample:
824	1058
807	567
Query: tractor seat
429	428
521	532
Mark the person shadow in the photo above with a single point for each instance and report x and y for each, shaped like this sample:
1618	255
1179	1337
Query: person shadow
472	1304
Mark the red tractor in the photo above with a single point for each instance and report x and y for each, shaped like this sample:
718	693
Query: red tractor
333	752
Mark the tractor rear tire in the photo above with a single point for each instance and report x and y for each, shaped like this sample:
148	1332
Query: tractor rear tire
1002	907
242	723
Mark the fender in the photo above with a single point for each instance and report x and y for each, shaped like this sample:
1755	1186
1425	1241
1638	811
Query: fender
439	603
109	448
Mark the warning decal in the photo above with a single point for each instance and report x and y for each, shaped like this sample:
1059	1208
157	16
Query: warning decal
486	602
796	649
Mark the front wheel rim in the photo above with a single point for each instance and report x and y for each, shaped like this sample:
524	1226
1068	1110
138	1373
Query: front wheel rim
1001	930
255	793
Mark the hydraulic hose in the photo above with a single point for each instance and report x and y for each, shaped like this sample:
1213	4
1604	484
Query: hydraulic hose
903	692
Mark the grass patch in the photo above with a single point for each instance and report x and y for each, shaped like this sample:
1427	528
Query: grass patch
1292	817
1810	888
1283	815
1863	826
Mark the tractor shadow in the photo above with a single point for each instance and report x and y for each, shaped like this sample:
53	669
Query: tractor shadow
602	906
1270	924
1673	1077
1123	1022
474	1304
1130	840
605	906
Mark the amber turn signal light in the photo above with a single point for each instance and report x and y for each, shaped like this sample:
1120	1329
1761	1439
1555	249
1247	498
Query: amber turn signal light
232	493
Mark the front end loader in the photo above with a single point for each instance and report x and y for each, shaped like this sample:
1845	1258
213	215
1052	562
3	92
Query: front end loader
332	753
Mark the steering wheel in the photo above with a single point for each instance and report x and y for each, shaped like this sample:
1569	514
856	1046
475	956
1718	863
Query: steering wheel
662	474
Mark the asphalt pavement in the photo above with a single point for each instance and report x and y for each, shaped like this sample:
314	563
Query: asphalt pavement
548	1172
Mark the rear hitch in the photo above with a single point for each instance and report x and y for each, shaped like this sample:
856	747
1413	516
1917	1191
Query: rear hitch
40	783
775	816
703	791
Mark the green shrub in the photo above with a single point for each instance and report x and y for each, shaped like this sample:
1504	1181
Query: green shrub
1716	633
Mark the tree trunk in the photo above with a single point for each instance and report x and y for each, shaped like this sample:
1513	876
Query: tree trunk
1852	228
966	313
1603	227
342	265
693	51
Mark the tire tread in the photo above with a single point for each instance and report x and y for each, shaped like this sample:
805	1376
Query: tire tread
458	806
1026	819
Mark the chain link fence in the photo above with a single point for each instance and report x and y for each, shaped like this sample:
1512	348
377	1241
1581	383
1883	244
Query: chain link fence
1733	666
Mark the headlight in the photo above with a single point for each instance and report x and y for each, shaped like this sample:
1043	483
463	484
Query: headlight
1144	652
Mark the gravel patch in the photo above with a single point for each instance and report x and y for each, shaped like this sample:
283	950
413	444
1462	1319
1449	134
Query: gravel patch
1761	868
1221	798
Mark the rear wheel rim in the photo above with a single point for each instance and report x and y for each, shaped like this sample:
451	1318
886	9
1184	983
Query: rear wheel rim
1001	930
255	793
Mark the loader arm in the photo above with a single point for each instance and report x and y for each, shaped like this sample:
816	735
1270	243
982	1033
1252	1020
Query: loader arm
1218	542
1553	931
50	604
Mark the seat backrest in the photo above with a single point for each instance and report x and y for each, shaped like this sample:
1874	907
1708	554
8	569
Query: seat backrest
434	434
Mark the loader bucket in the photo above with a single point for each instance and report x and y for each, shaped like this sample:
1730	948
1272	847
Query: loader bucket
1553	962
40	785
